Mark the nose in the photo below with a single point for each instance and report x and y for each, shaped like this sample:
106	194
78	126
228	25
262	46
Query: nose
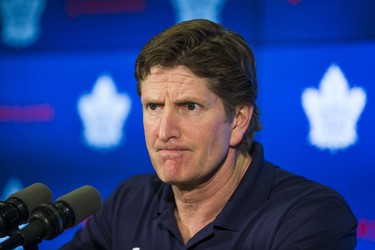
169	126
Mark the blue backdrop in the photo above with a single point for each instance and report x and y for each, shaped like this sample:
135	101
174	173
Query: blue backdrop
70	115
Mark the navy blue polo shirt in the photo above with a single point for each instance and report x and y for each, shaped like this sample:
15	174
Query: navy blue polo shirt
270	209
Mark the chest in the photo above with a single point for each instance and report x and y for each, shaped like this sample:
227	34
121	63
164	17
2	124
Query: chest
163	233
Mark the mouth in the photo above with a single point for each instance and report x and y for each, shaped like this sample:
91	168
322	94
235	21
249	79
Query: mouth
159	147
171	152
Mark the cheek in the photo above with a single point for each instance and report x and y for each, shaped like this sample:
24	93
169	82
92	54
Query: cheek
216	136
150	130
222	135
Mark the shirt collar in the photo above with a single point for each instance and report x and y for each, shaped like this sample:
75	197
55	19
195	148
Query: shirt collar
250	194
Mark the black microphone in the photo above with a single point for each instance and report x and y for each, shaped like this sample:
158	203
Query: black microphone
49	220
17	208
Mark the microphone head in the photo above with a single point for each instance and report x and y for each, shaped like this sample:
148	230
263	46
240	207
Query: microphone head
84	201
33	195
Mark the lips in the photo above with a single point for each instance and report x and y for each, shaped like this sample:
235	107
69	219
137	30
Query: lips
170	151
158	149
169	146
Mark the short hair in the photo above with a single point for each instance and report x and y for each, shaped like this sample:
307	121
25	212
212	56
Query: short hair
210	51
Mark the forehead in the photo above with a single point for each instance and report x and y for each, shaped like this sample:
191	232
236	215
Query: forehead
177	83
179	74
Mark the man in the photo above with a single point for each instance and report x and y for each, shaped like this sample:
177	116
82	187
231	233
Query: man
212	188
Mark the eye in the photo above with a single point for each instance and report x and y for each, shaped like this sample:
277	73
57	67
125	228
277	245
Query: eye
153	106
191	106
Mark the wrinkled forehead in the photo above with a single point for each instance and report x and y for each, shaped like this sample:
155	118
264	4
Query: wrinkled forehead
177	83
179	74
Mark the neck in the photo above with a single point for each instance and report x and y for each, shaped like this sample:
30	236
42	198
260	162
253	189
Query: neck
197	207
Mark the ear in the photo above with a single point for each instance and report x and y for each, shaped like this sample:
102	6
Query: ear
240	123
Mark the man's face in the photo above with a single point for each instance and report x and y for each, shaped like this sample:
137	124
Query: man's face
187	133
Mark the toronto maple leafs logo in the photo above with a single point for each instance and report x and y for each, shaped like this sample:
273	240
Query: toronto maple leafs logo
20	19
333	111
193	9
103	113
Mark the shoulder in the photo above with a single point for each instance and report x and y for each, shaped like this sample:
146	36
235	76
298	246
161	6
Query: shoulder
291	195
310	214
299	188
125	207
135	196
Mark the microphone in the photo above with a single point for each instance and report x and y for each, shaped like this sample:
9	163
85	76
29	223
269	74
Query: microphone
49	220
17	208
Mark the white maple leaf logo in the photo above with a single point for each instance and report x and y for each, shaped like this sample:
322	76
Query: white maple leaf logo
103	113
193	9
333	111
20	19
